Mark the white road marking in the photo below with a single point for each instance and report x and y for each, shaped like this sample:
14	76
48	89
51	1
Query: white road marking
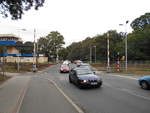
122	76
134	94
68	98
65	95
129	77
128	91
20	98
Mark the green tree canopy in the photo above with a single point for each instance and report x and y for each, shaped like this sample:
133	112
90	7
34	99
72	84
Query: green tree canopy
24	48
16	8
28	47
139	45
50	44
142	22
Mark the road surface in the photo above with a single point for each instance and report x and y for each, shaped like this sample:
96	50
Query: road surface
117	95
49	91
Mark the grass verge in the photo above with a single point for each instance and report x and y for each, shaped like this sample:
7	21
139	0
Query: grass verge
3	78
137	70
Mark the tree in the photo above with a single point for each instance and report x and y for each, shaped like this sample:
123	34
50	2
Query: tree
142	22
75	51
139	45
24	48
63	53
19	46
51	44
16	8
28	47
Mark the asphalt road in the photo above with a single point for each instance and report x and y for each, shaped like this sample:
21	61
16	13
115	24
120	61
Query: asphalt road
117	95
42	96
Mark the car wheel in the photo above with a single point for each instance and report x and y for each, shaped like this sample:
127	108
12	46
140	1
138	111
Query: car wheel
144	85
70	80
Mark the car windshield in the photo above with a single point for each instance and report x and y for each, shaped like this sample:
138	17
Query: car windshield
84	71
64	66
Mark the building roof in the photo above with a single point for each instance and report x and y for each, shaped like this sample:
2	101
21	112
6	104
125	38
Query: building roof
10	36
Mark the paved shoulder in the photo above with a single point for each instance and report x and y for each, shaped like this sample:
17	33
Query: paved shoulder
10	93
42	96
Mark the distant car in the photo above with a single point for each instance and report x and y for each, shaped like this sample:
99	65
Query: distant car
66	62
85	65
64	68
144	82
84	77
78	62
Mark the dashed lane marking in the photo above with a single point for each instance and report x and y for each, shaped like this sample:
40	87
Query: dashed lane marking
79	110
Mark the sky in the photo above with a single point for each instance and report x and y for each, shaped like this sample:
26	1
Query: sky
76	19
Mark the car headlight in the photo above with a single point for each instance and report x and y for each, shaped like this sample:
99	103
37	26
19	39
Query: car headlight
83	81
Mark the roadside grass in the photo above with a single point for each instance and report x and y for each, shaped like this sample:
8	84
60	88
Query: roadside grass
3	78
24	67
138	70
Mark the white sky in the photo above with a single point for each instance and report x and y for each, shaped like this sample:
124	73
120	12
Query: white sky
76	19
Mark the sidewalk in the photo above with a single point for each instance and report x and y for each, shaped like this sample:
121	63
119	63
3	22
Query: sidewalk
10	92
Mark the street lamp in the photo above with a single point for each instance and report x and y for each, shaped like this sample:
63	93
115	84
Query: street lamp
108	59
18	58
126	48
34	53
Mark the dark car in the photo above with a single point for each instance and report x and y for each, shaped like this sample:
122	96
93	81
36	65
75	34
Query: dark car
64	68
144	82
84	77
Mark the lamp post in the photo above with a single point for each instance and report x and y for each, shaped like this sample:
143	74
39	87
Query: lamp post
108	59
20	30
34	54
18	58
126	45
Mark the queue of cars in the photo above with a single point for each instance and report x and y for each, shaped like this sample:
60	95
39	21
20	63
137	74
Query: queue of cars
83	75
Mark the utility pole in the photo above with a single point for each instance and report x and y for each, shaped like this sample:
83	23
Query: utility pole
18	58
108	59
37	52
34	54
126	45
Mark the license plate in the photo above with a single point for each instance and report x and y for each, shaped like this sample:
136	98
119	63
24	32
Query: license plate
93	83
